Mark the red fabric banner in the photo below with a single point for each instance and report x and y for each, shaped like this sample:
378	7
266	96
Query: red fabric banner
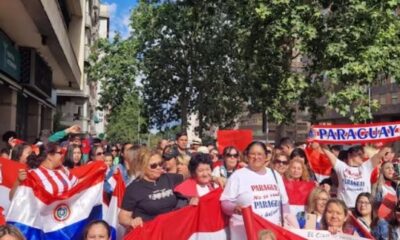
318	161
295	187
254	224
206	218
238	138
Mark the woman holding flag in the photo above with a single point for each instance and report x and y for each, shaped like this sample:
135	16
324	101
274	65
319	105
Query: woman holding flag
48	170
258	186
151	194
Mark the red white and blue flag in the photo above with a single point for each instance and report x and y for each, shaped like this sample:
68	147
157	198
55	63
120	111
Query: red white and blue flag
42	214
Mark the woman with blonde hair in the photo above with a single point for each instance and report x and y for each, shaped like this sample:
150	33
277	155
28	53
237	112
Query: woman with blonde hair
297	180
385	184
151	193
183	165
316	203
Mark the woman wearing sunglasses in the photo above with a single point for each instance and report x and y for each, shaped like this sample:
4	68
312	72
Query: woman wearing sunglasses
151	194
230	163
47	168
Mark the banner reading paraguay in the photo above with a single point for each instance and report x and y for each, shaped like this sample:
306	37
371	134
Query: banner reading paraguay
355	133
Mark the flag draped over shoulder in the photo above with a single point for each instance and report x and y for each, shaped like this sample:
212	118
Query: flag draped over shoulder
205	221
42	215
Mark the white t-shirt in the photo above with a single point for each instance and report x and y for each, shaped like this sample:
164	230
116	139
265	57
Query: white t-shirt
267	194
353	181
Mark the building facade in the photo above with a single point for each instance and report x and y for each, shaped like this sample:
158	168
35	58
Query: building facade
78	106
42	52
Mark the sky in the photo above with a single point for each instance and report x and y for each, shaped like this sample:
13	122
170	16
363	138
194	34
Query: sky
119	15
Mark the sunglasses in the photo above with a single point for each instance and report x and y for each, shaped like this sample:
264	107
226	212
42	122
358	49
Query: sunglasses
99	153
155	165
232	155
281	162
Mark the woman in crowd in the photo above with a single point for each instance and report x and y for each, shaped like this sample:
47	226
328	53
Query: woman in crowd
316	203
169	156
385	184
280	163
151	194
299	154
335	216
21	152
388	230
200	182
183	166
73	157
214	155
297	180
9	232
254	182
47	168
115	153
363	210
229	164
97	230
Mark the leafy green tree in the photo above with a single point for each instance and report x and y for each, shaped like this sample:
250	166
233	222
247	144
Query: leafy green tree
113	65
125	123
186	57
356	46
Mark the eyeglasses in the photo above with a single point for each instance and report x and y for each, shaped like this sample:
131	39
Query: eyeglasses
322	199
363	203
232	155
155	165
99	153
277	161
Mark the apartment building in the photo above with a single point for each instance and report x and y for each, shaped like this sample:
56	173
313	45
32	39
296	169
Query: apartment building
42	52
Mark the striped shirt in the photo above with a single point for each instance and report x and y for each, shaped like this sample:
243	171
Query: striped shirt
55	182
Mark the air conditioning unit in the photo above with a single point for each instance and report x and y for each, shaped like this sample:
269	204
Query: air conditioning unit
35	73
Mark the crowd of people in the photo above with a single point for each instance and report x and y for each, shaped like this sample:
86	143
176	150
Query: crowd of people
262	176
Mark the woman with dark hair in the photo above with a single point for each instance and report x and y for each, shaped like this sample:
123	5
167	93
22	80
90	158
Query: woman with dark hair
21	152
253	182
97	230
230	163
169	155
115	153
335	216
47	168
388	230
73	157
200	182
9	232
364	210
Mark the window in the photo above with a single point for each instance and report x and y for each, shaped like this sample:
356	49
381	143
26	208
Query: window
395	98
382	99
